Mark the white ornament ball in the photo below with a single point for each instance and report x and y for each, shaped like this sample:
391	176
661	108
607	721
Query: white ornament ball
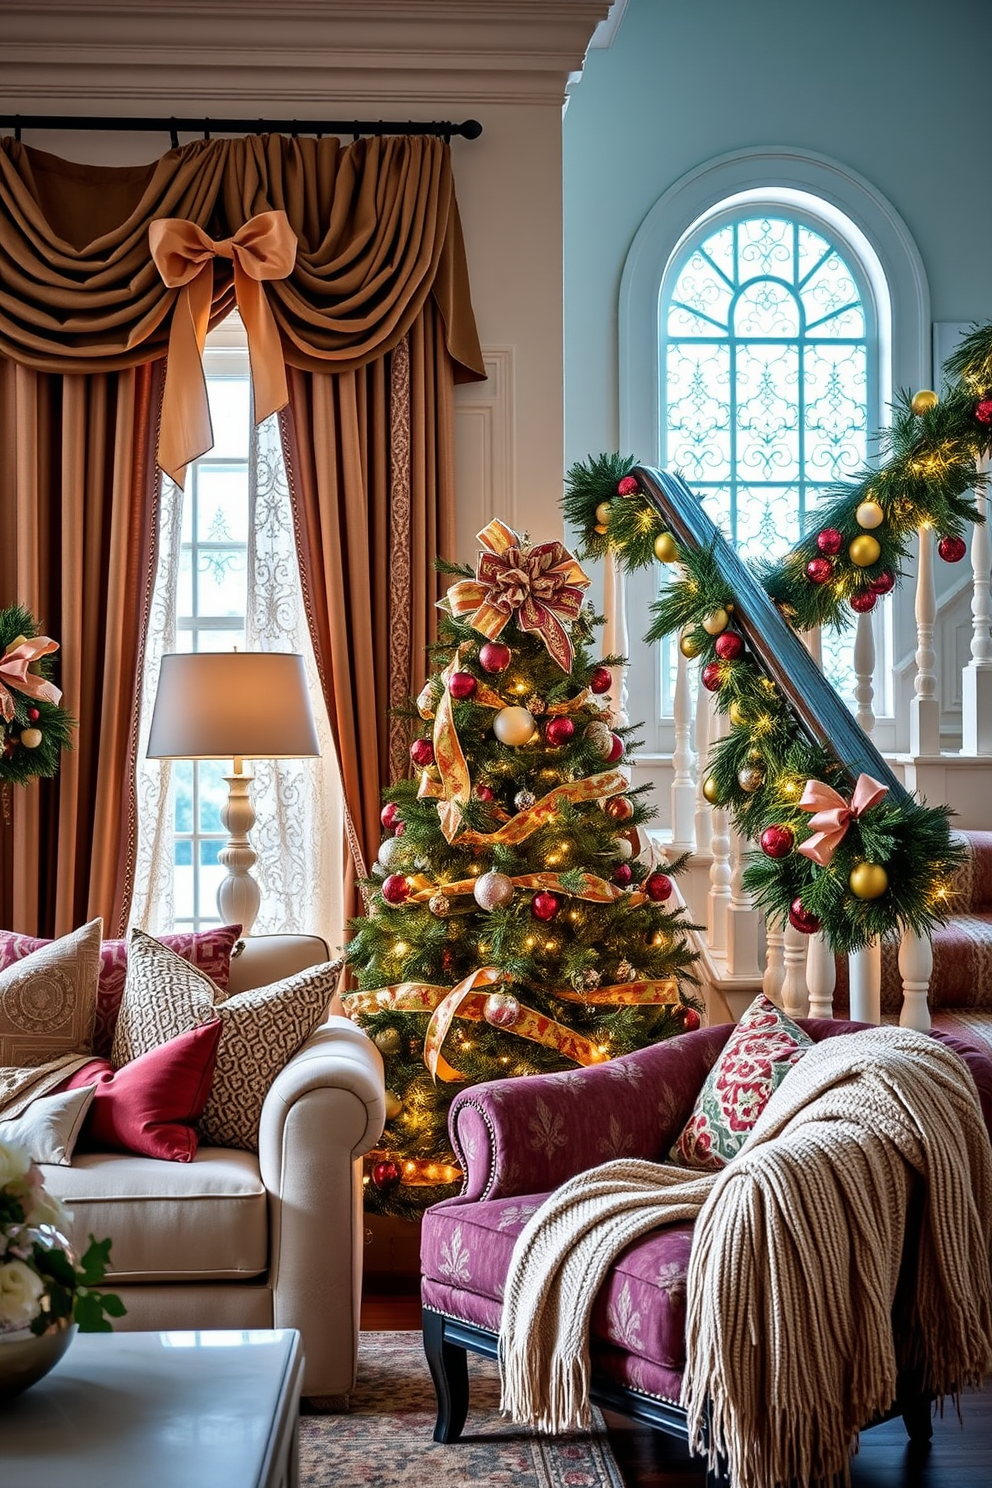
600	738
390	853
622	848
514	725
493	890
31	738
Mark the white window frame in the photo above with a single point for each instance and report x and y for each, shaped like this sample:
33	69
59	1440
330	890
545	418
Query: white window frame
869	232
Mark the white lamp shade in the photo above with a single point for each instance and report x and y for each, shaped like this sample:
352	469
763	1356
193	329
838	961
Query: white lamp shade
232	704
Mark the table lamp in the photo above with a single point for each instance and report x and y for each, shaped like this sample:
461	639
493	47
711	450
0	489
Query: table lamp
234	705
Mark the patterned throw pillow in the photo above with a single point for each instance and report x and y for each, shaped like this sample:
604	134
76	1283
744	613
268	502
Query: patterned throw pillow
752	1064
210	950
262	1029
48	1000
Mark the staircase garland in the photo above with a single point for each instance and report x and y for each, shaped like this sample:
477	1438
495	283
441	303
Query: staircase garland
857	868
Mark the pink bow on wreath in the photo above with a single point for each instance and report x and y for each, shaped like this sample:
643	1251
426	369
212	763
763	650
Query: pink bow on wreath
541	585
14	673
833	815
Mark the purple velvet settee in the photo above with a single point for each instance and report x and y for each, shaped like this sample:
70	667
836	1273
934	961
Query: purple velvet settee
519	1139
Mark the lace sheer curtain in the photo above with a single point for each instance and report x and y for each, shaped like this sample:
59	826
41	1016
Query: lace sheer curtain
298	834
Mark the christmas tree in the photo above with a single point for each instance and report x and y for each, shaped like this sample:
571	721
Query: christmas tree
517	921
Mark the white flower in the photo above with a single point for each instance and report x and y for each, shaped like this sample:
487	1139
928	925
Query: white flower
15	1162
45	1209
21	1291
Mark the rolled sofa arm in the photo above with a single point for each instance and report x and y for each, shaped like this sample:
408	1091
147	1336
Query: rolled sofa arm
528	1135
322	1112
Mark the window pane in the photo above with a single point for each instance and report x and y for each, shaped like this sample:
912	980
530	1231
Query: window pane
229	415
767	386
835	386
221	576
213	795
698	411
182	775
222	504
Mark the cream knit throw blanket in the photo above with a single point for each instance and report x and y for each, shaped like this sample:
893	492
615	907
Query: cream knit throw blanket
795	1258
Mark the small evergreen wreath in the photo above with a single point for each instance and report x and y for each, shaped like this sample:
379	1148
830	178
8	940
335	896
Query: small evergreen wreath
34	727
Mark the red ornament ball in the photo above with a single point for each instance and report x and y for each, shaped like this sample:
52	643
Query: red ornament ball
628	486
690	1019
777	842
884	583
485	793
33	715
618	808
395	889
658	887
600	679
616	749
952	549
800	918
729	646
863	602
830	541
622	874
389	816
494	657
386	1175
544	906
399	828
983	411
462	685
422	752
711	676
558	731
819	570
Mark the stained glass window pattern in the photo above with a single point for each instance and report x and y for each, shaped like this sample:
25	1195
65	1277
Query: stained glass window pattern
766	383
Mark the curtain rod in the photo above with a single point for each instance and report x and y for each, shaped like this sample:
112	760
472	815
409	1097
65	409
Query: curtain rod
469	129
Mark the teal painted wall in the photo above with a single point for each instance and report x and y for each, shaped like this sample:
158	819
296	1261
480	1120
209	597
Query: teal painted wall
895	89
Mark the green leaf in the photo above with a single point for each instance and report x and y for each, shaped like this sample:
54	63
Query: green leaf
95	1262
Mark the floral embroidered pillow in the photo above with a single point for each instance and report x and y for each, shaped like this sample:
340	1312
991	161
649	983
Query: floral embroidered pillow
753	1063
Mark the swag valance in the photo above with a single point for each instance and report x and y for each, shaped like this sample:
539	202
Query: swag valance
377	231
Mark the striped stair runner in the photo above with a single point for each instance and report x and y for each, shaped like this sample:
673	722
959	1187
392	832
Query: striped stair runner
961	985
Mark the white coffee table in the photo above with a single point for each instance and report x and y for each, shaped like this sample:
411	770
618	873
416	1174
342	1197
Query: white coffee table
160	1410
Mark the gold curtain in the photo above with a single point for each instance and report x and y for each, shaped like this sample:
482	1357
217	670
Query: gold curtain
380	285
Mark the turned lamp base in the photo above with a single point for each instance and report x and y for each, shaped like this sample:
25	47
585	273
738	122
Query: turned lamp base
238	896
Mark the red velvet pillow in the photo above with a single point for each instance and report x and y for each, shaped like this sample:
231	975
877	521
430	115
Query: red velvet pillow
151	1105
210	950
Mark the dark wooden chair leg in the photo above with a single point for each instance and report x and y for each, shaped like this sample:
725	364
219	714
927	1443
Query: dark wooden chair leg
448	1365
917	1414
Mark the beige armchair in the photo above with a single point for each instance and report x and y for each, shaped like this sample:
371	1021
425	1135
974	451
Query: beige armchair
233	1240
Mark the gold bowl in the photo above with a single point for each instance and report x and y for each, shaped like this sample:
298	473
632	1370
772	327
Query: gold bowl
24	1361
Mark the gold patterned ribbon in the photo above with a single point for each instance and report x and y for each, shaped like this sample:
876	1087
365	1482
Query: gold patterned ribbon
595	890
521	826
14	673
627	994
541	585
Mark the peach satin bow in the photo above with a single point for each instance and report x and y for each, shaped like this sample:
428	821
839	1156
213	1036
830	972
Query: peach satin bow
833	815
14	673
264	248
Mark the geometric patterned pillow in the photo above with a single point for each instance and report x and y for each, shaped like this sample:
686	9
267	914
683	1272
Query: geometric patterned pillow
208	949
48	1000
262	1028
753	1063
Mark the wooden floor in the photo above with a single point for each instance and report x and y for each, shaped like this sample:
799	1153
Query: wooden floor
960	1456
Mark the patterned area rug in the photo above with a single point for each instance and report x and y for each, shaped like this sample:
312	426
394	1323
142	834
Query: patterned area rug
385	1439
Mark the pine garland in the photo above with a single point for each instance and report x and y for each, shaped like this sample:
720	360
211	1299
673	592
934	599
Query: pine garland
22	759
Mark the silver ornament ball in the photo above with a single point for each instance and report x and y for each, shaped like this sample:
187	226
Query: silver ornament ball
524	800
493	890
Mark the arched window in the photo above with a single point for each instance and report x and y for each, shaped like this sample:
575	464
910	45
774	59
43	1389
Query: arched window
770	305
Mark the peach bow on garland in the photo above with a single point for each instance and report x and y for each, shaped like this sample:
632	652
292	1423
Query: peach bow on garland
14	673
833	815
264	248
541	585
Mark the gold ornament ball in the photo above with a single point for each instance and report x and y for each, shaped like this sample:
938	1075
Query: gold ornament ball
688	645
711	791
619	808
716	621
737	715
514	726
750	778
31	738
601	529
924	400
868	881
865	550
603	513
665	549
869	514
394	1105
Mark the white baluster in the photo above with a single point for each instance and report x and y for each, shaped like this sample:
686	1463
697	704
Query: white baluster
615	635
924	710
864	674
865	972
704	722
915	967
794	1001
813	641
774	977
976	679
742	917
718	900
821	977
683	761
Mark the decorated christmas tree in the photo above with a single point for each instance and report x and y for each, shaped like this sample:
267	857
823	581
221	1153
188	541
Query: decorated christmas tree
517	919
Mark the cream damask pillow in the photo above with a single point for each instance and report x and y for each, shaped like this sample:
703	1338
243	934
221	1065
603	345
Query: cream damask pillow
48	1000
262	1029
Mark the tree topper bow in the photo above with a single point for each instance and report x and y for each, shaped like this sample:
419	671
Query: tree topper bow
542	585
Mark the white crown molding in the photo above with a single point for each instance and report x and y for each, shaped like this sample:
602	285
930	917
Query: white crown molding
118	53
